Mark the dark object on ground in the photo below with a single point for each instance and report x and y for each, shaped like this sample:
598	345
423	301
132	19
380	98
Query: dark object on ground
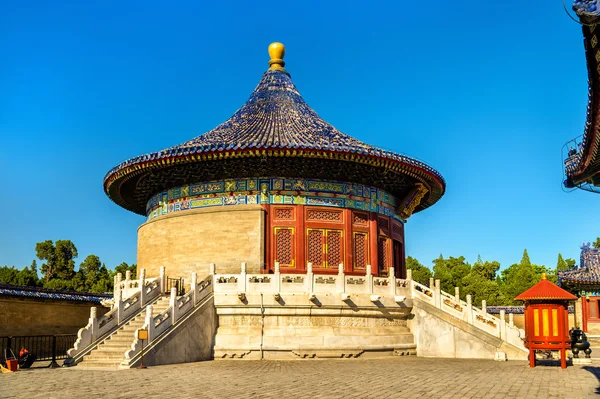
579	343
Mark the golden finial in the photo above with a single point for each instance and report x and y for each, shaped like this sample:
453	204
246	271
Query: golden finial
276	52
544	276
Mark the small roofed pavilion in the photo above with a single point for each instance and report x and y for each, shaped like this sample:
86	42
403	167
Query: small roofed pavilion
547	319
273	186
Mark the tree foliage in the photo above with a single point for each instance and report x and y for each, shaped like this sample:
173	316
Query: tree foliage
58	259
484	280
596	244
58	269
420	273
124	267
450	271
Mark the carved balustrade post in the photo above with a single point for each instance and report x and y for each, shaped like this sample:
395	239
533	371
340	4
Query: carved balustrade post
456	294
142	287
118	286
242	284
115	288
341	279
484	306
212	273
119	305
469	309
94	322
392	282
149	321
162	279
309	277
127	282
431	283
173	304
369	276
438	294
503	324
277	286
409	280
511	320
194	288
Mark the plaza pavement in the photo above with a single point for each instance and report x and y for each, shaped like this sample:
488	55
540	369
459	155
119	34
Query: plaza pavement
395	377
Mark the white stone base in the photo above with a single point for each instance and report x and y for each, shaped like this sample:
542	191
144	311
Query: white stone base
298	330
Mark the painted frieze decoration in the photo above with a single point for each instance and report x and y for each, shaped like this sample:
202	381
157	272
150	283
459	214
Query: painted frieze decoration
273	191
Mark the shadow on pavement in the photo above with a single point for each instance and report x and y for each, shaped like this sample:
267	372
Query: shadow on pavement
596	371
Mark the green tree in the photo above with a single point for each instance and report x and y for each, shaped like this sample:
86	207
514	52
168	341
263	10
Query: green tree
8	275
450	271
104	282
58	259
570	262
487	270
481	288
123	267
28	275
596	244
89	269
561	264
517	278
420	273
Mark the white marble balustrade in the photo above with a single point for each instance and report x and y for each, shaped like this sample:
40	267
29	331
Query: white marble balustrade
464	310
282	283
124	307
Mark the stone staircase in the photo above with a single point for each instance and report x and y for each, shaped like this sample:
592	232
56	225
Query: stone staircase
111	352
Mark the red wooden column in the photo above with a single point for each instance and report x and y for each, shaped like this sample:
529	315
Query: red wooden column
268	241
348	242
585	313
373	238
300	238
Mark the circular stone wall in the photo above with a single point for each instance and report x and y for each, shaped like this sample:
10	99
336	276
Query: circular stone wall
187	242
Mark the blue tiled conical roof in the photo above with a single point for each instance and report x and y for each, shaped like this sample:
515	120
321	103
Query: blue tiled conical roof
274	123
276	116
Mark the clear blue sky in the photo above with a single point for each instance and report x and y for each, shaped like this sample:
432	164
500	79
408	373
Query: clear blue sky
485	93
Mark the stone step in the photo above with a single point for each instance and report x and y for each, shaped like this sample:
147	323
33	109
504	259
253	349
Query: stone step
110	356
120	338
114	346
111	364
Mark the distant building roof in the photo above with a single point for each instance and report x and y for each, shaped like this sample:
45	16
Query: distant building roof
545	290
44	293
275	133
588	271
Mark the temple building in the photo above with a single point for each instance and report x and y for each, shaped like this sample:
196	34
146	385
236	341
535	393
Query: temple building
584	280
274	183
289	235
582	163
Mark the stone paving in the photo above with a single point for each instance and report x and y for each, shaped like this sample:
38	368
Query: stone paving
397	377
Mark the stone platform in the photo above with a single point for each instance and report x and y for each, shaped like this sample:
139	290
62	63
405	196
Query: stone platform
395	377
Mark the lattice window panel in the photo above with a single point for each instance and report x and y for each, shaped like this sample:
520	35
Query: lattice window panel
323	216
397	229
334	248
284	213
383	252
284	246
360	218
360	250
383	225
316	248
